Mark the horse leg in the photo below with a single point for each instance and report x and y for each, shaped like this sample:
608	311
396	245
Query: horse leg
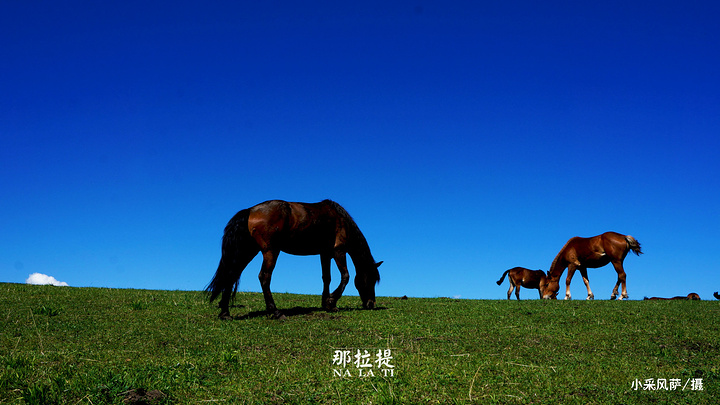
583	273
268	265
225	304
232	277
621	280
512	287
516	286
341	263
325	263
225	300
571	272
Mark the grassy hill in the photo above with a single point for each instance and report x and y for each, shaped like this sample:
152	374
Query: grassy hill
95	346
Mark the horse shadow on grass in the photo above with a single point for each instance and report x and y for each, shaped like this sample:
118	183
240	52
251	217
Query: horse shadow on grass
299	311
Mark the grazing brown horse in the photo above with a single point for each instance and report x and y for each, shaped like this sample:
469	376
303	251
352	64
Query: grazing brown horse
583	253
323	228
522	277
716	295
691	296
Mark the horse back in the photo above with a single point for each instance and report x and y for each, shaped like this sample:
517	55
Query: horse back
596	251
525	277
295	228
585	252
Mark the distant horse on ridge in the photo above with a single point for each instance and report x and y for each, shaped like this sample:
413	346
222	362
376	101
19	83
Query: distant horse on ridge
691	296
583	253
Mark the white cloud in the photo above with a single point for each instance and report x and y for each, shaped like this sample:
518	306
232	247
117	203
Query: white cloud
42	279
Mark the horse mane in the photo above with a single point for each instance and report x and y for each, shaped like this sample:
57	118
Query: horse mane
552	266
359	246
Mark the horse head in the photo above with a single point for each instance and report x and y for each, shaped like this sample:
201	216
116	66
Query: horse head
549	288
365	281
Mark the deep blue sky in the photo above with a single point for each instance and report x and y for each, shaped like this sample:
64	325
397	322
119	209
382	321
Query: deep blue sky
465	138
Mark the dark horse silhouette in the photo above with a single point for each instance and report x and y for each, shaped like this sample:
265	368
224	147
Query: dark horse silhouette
583	253
323	228
691	297
520	276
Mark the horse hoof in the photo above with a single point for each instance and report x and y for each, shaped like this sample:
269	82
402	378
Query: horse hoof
278	315
330	305
590	297
225	316
612	297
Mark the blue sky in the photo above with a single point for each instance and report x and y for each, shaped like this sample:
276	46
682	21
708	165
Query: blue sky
465	138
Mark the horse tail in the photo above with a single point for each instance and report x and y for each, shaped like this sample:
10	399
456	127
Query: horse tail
503	277
218	282
633	244
238	248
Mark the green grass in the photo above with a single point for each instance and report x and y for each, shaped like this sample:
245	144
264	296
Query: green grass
95	346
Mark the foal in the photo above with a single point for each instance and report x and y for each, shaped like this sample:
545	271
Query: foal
520	276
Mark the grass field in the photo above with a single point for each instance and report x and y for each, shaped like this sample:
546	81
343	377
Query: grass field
96	346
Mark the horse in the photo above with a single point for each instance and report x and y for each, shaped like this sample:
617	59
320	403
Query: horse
690	297
296	228
716	295
520	276
583	253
